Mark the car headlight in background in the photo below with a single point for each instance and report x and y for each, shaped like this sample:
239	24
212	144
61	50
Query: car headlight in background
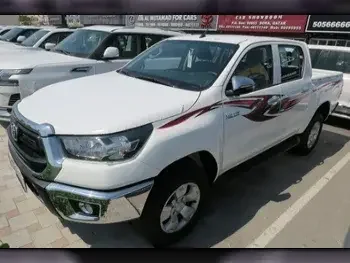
112	147
6	74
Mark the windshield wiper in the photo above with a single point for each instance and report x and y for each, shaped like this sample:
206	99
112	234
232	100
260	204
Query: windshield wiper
155	80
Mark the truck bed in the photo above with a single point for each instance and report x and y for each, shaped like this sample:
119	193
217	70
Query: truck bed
320	76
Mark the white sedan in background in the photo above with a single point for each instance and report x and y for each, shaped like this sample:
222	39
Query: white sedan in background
46	38
5	29
18	34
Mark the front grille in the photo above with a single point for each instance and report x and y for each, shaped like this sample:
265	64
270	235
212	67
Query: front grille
14	98
29	146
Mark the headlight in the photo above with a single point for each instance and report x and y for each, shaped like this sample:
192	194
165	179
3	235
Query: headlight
113	147
6	74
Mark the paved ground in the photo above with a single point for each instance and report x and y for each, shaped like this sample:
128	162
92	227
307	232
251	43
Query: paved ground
287	201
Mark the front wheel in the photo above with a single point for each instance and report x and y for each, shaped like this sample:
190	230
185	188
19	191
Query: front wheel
173	206
310	137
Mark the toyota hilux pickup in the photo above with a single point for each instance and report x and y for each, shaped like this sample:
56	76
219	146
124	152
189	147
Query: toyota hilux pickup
147	141
88	51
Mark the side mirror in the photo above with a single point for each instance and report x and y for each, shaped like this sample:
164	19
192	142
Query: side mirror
20	39
49	46
240	85
111	53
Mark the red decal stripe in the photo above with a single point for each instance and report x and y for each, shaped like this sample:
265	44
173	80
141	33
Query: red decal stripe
190	114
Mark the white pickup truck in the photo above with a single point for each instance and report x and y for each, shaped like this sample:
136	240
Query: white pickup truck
148	140
88	51
5	29
17	34
338	59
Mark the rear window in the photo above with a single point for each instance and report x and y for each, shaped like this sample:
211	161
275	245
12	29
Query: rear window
330	60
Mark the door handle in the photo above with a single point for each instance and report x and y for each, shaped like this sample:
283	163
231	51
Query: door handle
80	69
273	101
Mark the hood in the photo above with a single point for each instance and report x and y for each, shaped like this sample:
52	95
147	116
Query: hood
11	48
105	103
19	59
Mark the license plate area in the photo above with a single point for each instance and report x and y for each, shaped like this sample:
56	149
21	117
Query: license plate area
18	174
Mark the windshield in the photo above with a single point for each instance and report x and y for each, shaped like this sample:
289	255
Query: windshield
4	31
12	34
82	43
33	39
192	65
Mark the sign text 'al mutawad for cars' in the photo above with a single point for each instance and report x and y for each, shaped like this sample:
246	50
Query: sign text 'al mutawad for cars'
263	23
328	24
175	22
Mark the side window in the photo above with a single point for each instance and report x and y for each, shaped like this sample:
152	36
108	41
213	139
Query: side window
292	62
63	35
333	60
51	39
149	40
4	31
128	45
257	64
27	33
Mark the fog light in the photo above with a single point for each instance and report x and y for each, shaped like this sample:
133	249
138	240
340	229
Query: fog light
86	208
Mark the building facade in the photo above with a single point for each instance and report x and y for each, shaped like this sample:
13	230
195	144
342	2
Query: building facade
9	20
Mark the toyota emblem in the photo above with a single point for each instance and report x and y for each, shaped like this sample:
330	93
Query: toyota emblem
14	131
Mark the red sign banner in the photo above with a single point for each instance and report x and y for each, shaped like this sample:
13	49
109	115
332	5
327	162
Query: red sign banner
263	23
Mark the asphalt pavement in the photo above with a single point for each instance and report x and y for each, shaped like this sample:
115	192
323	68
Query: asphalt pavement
285	202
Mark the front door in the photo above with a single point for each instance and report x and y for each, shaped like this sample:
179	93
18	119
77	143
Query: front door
251	119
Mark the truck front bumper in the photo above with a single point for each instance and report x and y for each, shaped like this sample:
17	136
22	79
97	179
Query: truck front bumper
84	205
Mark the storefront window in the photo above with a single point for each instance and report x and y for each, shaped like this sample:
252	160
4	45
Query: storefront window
341	43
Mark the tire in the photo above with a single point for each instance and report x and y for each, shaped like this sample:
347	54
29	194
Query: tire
187	173
313	129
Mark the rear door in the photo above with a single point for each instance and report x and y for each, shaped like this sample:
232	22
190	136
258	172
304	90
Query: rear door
296	88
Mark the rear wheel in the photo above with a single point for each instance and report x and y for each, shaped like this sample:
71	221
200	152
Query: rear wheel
174	204
310	137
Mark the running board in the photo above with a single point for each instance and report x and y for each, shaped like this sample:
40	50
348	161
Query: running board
263	157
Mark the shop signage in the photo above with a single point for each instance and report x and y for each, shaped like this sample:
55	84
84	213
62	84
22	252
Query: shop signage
55	19
175	22
328	24
102	19
263	23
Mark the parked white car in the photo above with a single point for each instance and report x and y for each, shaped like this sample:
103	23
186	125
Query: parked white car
148	141
5	29
338	59
18	34
88	51
46	38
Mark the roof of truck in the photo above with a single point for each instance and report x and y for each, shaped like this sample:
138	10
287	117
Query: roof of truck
233	39
55	29
139	30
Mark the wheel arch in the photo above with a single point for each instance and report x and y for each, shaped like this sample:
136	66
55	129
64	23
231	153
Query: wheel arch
203	159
